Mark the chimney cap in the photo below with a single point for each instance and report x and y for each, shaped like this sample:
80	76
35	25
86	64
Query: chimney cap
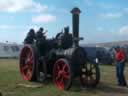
75	10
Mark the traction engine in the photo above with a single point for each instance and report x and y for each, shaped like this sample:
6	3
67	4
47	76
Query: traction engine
61	59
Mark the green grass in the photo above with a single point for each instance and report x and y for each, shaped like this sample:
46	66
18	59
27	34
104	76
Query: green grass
10	78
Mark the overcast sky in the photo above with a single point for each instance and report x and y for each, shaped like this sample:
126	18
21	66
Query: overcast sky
100	20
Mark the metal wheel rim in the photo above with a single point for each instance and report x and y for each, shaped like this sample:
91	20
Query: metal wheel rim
26	63
62	74
88	74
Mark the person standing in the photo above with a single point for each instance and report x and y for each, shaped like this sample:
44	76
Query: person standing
67	39
120	66
40	35
30	37
41	41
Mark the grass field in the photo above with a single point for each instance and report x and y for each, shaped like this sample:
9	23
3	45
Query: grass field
10	80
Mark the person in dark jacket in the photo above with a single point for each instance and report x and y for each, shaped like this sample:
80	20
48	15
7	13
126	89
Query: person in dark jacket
41	41
120	65
40	35
30	37
67	39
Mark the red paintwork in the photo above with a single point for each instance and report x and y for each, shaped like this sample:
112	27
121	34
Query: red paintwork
61	73
26	62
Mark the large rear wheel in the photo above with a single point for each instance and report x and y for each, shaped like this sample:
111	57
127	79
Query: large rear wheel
27	63
62	74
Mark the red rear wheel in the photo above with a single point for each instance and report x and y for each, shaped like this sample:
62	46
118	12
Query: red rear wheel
62	74
27	63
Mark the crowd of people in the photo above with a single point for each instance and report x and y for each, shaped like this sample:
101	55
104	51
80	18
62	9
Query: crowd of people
32	36
39	37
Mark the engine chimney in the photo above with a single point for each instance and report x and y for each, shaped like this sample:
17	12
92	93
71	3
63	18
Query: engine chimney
75	25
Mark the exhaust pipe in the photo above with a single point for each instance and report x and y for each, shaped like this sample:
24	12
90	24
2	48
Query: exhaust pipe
75	25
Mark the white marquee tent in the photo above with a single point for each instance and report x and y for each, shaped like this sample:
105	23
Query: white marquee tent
9	50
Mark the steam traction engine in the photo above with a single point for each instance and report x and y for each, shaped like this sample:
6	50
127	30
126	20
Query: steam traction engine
63	64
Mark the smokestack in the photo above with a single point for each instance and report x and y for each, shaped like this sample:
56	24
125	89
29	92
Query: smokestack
75	25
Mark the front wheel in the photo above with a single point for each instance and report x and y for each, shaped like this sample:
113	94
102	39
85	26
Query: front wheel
89	74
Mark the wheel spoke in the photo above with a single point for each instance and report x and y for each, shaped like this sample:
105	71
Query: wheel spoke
58	67
85	66
57	77
29	73
64	67
25	67
66	76
94	77
88	78
29	54
94	73
30	67
29	58
61	80
91	77
29	61
92	67
91	80
66	72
